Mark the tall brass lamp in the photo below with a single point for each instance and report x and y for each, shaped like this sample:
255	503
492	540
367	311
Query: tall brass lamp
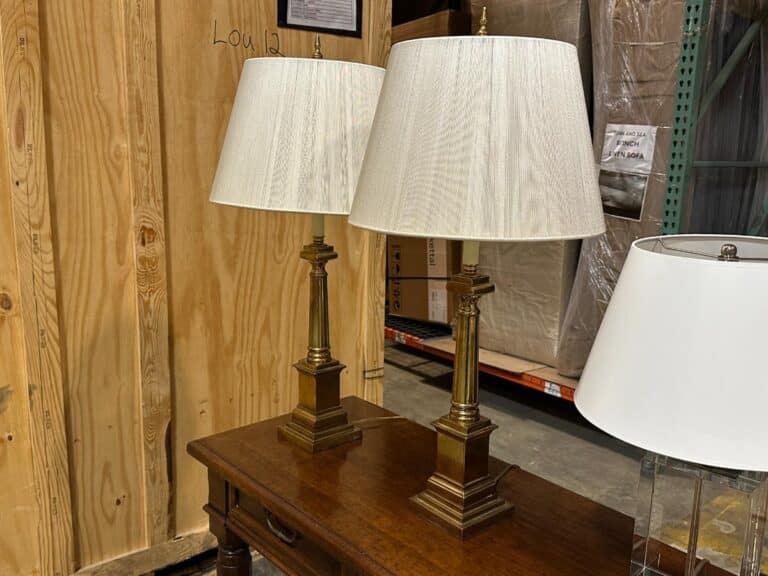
477	138
295	142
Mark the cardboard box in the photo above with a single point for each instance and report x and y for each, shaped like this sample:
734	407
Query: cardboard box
533	282
636	109
641	21
443	23
646	64
427	300
418	258
418	270
565	20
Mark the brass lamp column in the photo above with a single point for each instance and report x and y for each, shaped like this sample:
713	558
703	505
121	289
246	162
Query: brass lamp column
461	494
319	421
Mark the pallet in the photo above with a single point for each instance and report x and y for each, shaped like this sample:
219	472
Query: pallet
437	340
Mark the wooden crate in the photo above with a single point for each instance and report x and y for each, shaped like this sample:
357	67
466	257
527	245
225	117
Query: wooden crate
135	315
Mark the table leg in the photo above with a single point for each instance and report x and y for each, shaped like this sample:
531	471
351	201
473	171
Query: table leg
234	557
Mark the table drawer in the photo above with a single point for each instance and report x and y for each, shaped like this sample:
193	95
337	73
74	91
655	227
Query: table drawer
281	543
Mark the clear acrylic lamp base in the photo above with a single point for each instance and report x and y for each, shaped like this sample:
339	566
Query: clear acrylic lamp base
714	516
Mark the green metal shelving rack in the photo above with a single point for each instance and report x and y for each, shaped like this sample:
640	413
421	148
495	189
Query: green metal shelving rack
692	103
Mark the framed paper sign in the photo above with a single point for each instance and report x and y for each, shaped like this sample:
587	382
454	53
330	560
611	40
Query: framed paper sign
343	17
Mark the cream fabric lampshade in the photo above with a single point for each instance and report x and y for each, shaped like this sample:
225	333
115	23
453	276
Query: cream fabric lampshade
481	138
679	364
297	134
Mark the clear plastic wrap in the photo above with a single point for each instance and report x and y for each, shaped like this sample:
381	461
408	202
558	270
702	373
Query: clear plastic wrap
636	47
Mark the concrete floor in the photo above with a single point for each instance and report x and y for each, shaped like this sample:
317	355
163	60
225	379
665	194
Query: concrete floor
542	434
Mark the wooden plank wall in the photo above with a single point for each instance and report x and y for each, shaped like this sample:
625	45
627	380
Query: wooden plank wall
135	315
28	170
18	499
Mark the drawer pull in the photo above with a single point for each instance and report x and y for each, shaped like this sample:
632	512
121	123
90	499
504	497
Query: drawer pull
284	534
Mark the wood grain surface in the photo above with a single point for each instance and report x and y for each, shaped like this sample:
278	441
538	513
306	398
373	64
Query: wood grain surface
18	502
348	510
28	170
146	170
90	175
353	501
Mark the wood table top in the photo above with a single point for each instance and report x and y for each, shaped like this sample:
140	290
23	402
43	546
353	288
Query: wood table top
355	500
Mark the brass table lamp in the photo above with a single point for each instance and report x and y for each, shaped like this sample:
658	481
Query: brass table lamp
477	138
295	142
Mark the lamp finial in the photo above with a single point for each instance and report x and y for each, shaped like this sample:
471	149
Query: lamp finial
483	30
729	253
317	54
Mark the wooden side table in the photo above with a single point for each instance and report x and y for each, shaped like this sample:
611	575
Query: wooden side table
346	511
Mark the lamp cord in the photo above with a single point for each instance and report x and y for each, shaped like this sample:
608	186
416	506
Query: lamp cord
377	419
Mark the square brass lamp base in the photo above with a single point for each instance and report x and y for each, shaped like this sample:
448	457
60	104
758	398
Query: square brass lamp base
461	496
319	422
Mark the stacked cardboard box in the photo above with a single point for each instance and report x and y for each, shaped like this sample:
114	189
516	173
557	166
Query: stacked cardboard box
636	47
533	280
418	270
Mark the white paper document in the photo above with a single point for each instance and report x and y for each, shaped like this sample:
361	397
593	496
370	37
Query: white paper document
625	167
332	14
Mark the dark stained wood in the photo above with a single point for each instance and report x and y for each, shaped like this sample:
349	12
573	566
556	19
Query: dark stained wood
347	510
445	23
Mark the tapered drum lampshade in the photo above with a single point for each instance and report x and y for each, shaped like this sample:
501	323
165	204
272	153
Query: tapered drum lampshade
678	366
482	138
297	134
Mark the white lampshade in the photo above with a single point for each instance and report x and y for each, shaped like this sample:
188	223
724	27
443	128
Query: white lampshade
679	364
481	138
297	134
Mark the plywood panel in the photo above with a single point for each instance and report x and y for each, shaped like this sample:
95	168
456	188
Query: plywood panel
142	94
238	288
19	516
373	290
89	143
117	276
27	174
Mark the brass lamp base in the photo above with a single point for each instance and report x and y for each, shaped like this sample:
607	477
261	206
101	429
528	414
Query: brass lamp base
319	422
461	495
